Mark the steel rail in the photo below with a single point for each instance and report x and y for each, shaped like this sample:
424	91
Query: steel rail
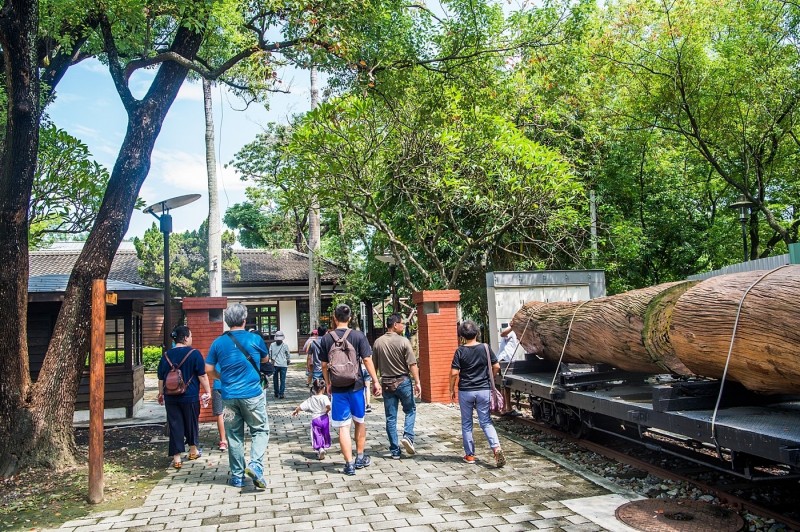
727	498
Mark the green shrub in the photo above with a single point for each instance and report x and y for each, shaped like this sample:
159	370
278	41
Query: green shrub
151	355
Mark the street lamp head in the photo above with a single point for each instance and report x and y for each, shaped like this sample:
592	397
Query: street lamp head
743	205
388	259
172	203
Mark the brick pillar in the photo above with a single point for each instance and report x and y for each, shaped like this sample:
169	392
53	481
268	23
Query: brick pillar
204	319
438	340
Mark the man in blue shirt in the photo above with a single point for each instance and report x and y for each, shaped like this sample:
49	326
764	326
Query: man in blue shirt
242	394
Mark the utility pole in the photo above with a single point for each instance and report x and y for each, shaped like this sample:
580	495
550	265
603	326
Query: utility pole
214	229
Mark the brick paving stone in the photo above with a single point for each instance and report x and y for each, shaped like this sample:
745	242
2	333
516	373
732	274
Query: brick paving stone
434	490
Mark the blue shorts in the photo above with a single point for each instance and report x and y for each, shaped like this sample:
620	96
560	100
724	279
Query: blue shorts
346	406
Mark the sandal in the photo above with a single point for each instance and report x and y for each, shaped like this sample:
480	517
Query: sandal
195	456
223	446
177	465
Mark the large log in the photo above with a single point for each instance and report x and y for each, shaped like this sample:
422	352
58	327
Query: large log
682	328
766	351
628	331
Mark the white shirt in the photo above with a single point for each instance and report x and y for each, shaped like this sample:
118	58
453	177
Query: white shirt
316	405
508	346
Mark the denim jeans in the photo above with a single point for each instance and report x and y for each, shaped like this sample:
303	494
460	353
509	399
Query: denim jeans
253	412
476	400
403	395
279	381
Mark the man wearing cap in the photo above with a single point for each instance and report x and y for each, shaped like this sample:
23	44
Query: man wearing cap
279	355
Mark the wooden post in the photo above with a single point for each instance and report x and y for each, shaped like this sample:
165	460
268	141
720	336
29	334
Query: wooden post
97	377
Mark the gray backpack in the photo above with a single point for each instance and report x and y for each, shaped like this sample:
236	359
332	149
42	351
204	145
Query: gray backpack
343	366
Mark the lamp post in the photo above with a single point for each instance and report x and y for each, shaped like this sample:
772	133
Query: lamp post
165	226
743	205
392	262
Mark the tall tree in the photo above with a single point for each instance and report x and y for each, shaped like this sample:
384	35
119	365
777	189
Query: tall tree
314	286
214	230
722	78
235	37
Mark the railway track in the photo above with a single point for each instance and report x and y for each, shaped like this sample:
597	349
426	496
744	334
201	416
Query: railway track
689	473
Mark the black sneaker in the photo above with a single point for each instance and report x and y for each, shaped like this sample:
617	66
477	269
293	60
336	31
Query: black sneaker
368	409
349	469
363	462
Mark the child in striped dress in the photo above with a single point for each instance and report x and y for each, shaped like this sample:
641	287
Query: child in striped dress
319	406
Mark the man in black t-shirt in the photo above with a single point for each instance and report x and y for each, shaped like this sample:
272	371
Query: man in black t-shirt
347	403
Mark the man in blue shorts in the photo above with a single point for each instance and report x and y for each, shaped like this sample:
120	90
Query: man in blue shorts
348	403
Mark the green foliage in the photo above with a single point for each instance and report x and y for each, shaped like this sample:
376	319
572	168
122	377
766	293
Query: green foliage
188	259
68	187
717	82
151	356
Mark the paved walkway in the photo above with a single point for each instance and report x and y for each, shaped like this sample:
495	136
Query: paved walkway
434	490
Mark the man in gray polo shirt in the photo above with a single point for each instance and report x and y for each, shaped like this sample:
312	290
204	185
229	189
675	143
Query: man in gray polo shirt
395	362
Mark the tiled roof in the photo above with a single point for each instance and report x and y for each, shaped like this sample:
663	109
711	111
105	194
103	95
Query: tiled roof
58	283
280	266
47	262
258	266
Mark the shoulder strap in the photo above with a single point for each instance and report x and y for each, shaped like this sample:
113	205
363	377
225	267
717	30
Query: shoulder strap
242	349
489	360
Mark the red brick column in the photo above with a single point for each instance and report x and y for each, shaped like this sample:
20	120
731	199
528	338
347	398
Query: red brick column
438	340
204	319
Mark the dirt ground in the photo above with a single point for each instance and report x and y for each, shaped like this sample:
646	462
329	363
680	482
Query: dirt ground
135	460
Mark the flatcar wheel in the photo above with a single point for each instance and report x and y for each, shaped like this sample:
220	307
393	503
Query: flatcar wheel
578	427
536	410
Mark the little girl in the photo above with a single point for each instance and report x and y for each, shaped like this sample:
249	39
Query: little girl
318	405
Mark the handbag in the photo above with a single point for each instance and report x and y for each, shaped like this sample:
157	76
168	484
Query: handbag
497	402
262	379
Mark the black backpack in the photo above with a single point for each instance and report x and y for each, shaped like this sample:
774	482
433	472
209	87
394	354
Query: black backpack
343	366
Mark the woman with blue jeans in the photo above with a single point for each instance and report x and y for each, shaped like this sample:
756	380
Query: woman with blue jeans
471	370
279	355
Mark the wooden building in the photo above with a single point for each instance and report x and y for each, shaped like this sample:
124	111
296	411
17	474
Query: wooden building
124	390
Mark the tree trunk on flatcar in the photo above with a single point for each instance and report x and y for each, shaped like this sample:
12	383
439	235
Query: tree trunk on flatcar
628	331
766	351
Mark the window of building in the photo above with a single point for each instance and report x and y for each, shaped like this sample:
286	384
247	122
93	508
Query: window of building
115	341
136	344
264	318
304	316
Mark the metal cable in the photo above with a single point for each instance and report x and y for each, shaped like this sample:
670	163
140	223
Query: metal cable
728	359
563	349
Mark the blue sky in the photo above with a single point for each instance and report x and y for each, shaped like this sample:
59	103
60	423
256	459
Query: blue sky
88	107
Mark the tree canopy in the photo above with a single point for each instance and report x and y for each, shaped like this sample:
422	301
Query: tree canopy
188	264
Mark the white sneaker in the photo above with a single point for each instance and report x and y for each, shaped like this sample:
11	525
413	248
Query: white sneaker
408	445
321	454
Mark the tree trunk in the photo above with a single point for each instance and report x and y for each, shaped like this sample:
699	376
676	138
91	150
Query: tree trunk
766	351
683	328
628	331
314	283
18	31
42	427
214	229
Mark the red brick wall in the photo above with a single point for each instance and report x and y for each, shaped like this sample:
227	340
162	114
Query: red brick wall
204	331
438	341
